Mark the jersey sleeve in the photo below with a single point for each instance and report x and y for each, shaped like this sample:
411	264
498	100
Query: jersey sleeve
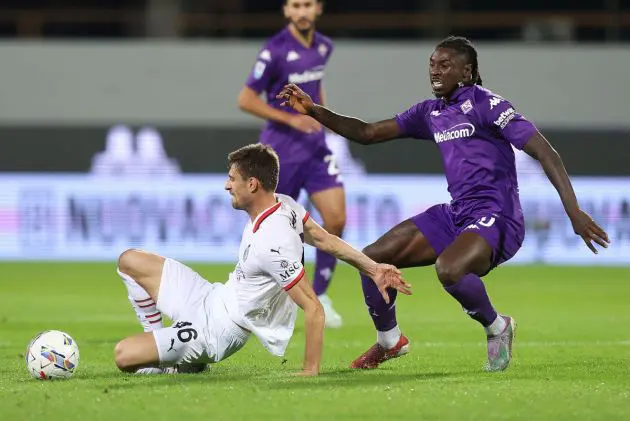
279	251
263	71
413	122
502	118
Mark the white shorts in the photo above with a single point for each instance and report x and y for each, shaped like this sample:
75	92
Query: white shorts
202	331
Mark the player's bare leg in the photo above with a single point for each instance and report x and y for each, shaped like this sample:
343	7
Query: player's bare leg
402	246
459	268
141	273
331	205
138	352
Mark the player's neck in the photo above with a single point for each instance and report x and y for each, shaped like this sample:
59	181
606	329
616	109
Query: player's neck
259	206
305	39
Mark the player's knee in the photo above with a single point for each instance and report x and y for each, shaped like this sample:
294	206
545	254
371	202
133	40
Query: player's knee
448	272
335	223
128	261
376	253
123	357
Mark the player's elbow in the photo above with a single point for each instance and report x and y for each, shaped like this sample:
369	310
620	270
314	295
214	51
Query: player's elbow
368	135
244	99
324	241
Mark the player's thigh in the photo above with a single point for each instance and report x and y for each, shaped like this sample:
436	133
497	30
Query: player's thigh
144	268
136	352
483	243
331	205
181	288
469	253
403	246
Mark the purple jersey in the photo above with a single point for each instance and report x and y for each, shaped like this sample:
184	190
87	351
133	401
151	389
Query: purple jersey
474	131
282	60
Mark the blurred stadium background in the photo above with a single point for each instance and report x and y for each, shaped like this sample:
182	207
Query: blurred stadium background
120	92
115	120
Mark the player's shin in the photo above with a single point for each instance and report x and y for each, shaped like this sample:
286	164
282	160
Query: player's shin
471	293
383	314
146	311
324	268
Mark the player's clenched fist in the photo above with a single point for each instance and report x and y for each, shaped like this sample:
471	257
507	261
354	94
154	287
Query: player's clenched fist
296	98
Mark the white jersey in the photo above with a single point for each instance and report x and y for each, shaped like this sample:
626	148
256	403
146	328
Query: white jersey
271	261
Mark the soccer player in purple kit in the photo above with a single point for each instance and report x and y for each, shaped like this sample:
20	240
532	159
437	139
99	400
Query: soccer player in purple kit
483	225
298	54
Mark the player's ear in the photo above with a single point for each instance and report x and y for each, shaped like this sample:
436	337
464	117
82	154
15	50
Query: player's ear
285	10
468	72
319	7
253	184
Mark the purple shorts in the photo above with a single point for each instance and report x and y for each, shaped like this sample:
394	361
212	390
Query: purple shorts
438	225
314	175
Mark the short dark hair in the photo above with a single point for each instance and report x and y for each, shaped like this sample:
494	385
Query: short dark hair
464	46
258	161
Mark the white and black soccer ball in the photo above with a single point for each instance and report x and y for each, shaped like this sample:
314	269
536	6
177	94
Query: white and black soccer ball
52	355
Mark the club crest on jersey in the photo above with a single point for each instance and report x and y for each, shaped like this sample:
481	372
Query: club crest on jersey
466	106
323	50
458	131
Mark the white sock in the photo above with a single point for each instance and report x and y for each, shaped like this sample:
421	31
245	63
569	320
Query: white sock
496	327
389	338
148	315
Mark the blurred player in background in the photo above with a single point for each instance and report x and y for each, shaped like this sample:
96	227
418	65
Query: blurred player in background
212	321
298	54
483	225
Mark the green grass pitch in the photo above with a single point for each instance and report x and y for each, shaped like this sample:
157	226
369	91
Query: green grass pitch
572	354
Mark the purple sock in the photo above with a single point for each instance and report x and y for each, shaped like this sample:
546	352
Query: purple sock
472	295
324	268
383	314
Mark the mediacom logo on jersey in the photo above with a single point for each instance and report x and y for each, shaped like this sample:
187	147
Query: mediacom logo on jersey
307	76
458	131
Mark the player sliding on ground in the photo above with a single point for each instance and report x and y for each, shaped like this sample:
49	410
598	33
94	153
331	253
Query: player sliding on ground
211	321
483	225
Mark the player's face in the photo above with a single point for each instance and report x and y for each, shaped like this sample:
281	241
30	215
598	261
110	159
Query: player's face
302	13
446	69
239	188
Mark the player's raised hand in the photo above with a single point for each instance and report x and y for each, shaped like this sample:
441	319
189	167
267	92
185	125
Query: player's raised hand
587	228
388	276
295	98
305	124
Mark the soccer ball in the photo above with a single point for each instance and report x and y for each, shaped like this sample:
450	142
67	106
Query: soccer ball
52	355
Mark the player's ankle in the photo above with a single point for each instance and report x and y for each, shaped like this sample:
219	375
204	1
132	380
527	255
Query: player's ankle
389	338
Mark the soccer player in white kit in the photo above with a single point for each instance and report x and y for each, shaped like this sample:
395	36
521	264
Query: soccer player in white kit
211	321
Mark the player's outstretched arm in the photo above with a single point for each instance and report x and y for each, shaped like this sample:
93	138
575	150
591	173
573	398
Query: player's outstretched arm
304	296
539	148
250	102
349	127
384	276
